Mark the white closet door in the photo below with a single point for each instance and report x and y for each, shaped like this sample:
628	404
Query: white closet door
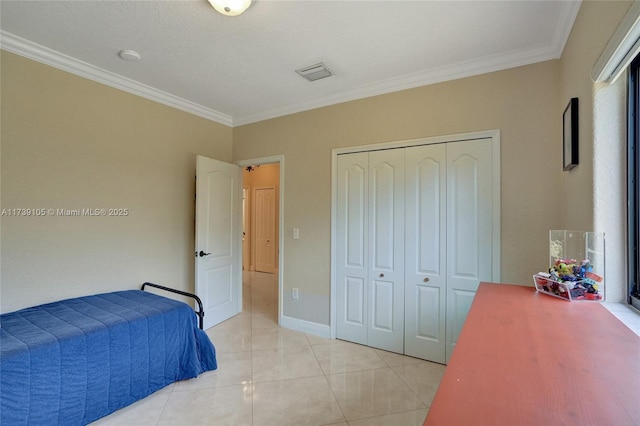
386	250
352	248
425	256
469	228
414	240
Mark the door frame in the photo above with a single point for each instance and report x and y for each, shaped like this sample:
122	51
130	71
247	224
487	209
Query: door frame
494	135
275	159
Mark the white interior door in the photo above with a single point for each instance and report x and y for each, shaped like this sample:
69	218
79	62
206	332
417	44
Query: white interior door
386	250
425	257
352	247
265	229
469	228
218	239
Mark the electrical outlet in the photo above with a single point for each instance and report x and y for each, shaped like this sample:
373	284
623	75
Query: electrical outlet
296	233
294	293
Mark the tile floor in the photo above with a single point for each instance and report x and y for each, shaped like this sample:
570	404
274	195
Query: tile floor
268	375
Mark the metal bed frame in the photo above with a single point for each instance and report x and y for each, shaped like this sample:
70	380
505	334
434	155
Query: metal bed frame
199	312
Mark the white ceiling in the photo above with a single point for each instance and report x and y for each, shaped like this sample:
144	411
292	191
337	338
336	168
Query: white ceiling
238	70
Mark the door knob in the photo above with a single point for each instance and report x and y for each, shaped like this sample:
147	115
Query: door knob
203	254
381	275
426	279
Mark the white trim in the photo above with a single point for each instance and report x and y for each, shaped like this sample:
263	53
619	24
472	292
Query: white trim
564	24
566	17
279	159
333	236
496	248
494	135
39	53
28	49
410	81
321	330
621	49
456	137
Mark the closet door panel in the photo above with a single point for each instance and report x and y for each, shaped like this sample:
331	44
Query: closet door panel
460	303
354	301
425	254
382	309
469	228
352	248
386	243
383	215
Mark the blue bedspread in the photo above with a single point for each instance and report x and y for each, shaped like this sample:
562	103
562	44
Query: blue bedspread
74	361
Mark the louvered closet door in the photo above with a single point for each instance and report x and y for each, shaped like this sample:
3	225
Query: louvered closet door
425	257
352	247
386	250
469	228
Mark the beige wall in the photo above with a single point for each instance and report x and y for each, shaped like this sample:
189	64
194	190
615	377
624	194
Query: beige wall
525	103
521	102
593	194
70	143
595	24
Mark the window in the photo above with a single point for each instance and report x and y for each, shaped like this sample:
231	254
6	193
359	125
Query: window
633	182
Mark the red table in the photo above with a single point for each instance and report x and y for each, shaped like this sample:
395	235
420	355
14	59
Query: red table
525	358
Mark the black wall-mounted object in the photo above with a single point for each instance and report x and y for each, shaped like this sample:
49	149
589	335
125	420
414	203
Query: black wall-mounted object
570	135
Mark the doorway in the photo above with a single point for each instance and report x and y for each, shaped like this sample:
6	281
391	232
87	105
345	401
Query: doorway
262	184
260	217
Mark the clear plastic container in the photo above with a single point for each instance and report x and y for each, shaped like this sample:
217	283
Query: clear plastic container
576	266
568	290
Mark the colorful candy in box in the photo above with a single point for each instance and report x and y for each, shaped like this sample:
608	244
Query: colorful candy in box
569	280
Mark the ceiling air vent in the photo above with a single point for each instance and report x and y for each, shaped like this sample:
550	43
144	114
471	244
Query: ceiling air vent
315	72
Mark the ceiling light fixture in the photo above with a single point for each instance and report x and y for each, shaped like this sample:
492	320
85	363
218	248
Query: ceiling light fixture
230	7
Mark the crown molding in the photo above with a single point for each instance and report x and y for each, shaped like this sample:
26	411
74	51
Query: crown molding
28	49
411	81
564	24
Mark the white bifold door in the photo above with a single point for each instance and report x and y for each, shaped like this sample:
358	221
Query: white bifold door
414	239
370	249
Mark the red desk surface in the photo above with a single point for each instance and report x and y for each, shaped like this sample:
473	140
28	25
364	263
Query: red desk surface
525	358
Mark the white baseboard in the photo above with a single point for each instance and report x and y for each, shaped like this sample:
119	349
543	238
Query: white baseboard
314	328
